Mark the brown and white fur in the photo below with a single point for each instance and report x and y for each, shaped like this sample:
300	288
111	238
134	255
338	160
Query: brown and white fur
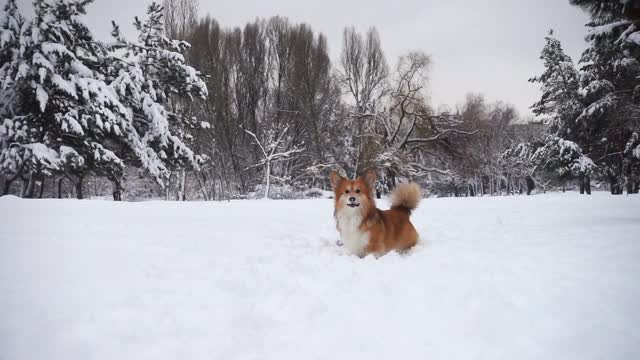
365	229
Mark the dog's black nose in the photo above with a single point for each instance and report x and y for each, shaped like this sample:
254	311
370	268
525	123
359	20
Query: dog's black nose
352	199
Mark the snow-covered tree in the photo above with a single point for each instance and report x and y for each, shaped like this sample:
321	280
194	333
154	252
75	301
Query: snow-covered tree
79	109
610	86
520	163
10	27
150	76
632	154
559	152
395	132
273	148
560	102
401	134
61	101
563	159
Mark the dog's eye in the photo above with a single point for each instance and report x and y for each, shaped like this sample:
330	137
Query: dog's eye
346	191
358	191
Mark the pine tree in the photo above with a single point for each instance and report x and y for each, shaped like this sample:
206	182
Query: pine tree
560	102
559	155
10	26
72	107
72	119
610	86
563	159
152	79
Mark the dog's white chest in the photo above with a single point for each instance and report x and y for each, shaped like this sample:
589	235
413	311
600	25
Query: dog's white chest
353	238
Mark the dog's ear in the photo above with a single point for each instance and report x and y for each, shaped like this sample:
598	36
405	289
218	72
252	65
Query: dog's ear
336	179
370	179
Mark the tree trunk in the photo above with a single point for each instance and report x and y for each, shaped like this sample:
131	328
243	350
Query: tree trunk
267	180
41	187
9	181
212	188
167	189
224	187
25	185
7	185
580	182
183	185
78	186
491	185
202	187
117	190
30	188
530	185
587	184
60	187
615	187
225	192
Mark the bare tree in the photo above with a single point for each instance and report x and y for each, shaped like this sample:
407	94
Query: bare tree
363	75
271	74
408	130
271	152
181	16
364	68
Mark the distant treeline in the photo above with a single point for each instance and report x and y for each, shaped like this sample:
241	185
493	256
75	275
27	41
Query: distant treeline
191	110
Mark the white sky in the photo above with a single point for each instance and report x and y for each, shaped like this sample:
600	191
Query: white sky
489	46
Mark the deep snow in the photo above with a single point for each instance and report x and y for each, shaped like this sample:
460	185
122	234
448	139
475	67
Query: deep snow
543	277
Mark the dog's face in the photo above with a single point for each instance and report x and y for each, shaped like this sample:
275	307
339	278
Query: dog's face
353	194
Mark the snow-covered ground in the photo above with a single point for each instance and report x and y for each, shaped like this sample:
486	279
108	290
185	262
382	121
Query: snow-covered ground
543	277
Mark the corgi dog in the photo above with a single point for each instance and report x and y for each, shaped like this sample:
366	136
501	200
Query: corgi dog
365	229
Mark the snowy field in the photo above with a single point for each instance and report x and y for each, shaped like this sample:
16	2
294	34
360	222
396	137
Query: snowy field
543	277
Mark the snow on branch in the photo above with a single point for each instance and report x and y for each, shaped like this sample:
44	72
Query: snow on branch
440	135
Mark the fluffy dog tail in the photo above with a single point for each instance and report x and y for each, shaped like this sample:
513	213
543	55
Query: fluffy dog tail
406	196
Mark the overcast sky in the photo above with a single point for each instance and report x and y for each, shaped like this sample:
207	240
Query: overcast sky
489	46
